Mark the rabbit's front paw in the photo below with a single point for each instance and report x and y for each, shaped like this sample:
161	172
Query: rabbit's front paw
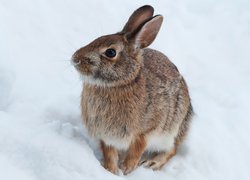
113	168
129	165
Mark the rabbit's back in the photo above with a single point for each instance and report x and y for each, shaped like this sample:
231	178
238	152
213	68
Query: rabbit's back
167	92
159	64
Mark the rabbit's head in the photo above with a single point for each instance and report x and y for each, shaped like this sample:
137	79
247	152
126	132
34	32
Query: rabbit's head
116	59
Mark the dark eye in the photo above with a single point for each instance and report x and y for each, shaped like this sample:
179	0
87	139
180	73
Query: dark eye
110	53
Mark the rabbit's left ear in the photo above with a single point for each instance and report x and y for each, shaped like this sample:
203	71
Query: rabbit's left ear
148	32
138	17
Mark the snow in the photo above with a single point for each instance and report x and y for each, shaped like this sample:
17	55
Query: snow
41	134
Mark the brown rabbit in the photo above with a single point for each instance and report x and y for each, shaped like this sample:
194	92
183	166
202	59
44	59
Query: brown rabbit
133	99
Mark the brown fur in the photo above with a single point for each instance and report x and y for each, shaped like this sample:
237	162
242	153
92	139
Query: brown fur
110	158
133	96
135	152
138	17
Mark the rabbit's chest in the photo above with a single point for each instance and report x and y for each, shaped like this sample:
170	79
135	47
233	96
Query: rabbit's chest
106	117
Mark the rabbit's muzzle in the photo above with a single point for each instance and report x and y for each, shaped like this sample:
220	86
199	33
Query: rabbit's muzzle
82	64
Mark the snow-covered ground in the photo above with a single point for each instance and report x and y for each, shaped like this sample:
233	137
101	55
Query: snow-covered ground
41	135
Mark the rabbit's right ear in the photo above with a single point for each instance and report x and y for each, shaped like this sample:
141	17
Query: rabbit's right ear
138	17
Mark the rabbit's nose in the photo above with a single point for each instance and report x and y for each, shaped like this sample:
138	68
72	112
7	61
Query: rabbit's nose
75	61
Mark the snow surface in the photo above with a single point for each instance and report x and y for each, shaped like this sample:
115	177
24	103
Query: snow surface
41	135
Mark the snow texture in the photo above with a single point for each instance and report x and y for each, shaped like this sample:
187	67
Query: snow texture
41	134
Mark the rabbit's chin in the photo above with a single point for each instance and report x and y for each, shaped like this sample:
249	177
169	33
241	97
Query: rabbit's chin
88	79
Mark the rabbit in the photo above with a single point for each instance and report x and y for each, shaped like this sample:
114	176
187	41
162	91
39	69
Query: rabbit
134	99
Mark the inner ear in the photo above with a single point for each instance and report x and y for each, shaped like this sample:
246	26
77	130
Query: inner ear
148	32
138	17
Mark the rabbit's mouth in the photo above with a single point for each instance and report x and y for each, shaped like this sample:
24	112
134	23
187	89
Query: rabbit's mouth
83	70
83	66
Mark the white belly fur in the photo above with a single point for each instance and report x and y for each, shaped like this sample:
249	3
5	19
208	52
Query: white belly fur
155	142
120	144
160	142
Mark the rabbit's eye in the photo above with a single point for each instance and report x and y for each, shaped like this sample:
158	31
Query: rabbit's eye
110	53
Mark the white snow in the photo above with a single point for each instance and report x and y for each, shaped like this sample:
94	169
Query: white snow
41	134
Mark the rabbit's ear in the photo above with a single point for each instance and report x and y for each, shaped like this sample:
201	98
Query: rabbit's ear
148	32
138	17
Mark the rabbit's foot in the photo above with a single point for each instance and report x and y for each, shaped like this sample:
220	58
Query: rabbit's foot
129	165
159	160
112	167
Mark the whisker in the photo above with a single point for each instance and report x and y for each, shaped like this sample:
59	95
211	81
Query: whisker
62	60
68	66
